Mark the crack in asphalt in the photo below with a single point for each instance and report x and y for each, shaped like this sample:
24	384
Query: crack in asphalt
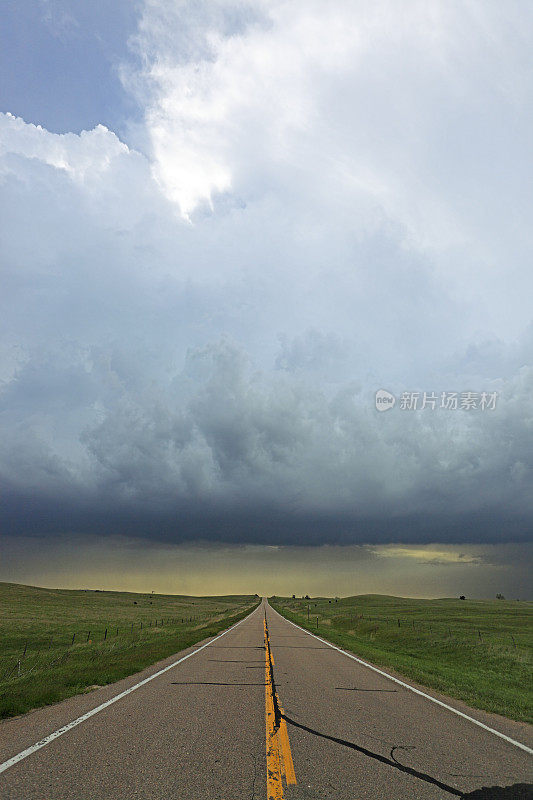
423	776
277	710
400	747
254	777
356	689
233	661
212	683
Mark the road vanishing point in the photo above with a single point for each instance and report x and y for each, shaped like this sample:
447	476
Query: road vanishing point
263	710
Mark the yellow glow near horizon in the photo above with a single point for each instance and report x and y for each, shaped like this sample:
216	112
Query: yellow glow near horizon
428	554
137	565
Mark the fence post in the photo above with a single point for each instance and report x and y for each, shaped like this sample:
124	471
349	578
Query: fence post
73	637
317	623
105	635
88	635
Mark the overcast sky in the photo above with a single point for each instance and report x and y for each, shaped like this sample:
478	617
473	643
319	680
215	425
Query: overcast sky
224	227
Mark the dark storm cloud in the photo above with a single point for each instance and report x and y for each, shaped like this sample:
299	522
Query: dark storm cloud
226	453
192	335
45	517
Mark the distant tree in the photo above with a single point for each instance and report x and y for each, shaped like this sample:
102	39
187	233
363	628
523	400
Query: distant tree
500	596
294	597
462	597
307	597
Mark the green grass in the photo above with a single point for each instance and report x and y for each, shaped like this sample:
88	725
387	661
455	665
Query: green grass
41	664
479	651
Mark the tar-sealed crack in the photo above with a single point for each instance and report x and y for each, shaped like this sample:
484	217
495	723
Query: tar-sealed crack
277	710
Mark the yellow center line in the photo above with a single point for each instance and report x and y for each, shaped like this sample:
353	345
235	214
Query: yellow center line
278	749
285	747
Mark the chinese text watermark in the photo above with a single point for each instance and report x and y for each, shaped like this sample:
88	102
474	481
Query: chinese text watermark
451	401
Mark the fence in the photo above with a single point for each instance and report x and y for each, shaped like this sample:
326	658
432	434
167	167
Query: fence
436	628
32	658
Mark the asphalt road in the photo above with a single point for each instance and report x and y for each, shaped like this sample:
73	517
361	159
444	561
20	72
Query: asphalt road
264	711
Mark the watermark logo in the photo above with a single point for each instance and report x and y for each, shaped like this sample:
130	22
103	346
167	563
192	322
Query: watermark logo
451	401
384	400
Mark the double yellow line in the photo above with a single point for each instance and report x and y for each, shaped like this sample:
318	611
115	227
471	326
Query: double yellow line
278	749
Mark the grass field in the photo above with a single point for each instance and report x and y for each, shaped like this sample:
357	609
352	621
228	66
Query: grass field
479	651
55	643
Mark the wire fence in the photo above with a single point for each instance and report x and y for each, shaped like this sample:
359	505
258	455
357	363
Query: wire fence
101	638
458	631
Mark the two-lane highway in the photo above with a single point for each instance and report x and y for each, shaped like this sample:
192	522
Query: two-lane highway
263	710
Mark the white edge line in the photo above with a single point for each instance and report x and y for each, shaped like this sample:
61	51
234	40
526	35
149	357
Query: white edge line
411	688
60	731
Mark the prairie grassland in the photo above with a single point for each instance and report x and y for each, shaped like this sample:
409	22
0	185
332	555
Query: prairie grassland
479	651
55	643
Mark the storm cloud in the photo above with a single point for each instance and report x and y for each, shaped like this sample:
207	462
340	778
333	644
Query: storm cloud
198	313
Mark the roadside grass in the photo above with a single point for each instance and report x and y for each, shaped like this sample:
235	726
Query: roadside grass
479	651
55	643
